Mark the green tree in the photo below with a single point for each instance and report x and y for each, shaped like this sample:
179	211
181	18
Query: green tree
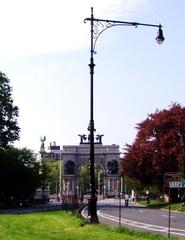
50	174
85	179
9	130
19	175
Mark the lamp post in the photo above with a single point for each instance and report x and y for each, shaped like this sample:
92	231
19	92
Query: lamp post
99	181
98	26
120	187
60	177
147	196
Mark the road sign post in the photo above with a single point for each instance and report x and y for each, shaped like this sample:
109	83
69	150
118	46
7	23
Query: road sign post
173	184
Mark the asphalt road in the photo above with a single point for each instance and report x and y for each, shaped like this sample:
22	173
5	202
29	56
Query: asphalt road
141	218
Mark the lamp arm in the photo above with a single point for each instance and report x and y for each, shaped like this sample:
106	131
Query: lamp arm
101	25
97	33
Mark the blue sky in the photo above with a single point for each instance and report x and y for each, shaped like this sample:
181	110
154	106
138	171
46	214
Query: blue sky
45	51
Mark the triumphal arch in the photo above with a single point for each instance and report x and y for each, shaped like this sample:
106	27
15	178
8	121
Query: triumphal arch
76	156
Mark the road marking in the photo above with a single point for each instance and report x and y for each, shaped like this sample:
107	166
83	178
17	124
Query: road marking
167	216
146	226
141	211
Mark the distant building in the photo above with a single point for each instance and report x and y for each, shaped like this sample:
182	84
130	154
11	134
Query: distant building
54	151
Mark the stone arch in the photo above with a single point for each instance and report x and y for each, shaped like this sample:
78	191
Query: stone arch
106	156
88	162
100	174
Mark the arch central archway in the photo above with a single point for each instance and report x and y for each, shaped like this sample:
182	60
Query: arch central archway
76	156
84	180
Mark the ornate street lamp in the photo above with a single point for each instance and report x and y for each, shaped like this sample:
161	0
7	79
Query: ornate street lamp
98	26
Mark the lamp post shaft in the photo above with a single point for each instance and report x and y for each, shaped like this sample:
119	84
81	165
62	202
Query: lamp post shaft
93	198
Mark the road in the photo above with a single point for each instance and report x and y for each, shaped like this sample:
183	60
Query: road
141	218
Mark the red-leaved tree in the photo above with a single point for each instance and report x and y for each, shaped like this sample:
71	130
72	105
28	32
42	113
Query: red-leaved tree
159	147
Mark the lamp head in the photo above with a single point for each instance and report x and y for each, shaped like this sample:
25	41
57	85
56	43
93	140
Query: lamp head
160	38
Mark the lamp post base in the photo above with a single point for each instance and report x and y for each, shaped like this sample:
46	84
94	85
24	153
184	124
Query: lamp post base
92	214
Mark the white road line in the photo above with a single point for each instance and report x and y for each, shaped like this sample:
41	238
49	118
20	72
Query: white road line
151	227
167	216
83	213
141	211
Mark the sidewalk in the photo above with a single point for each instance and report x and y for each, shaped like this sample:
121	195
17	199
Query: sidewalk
40	207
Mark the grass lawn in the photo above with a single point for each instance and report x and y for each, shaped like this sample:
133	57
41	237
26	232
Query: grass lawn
157	204
59	225
177	207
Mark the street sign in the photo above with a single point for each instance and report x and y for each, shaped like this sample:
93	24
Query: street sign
177	184
171	176
183	183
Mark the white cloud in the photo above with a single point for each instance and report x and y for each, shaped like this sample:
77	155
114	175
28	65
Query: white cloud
43	26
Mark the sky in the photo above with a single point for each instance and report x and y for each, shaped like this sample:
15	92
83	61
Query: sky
45	52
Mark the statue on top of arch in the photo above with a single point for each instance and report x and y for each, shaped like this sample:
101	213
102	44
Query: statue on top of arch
86	140
42	147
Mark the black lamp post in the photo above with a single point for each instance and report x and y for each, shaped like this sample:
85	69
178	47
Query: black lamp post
98	26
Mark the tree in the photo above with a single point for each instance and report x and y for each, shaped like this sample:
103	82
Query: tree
85	178
9	130
19	175
50	175
159	147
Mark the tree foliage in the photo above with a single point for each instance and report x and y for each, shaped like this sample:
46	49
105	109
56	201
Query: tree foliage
50	174
159	147
85	179
19	175
9	130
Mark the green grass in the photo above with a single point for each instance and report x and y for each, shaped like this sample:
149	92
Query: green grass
58	225
176	207
157	204
153	203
